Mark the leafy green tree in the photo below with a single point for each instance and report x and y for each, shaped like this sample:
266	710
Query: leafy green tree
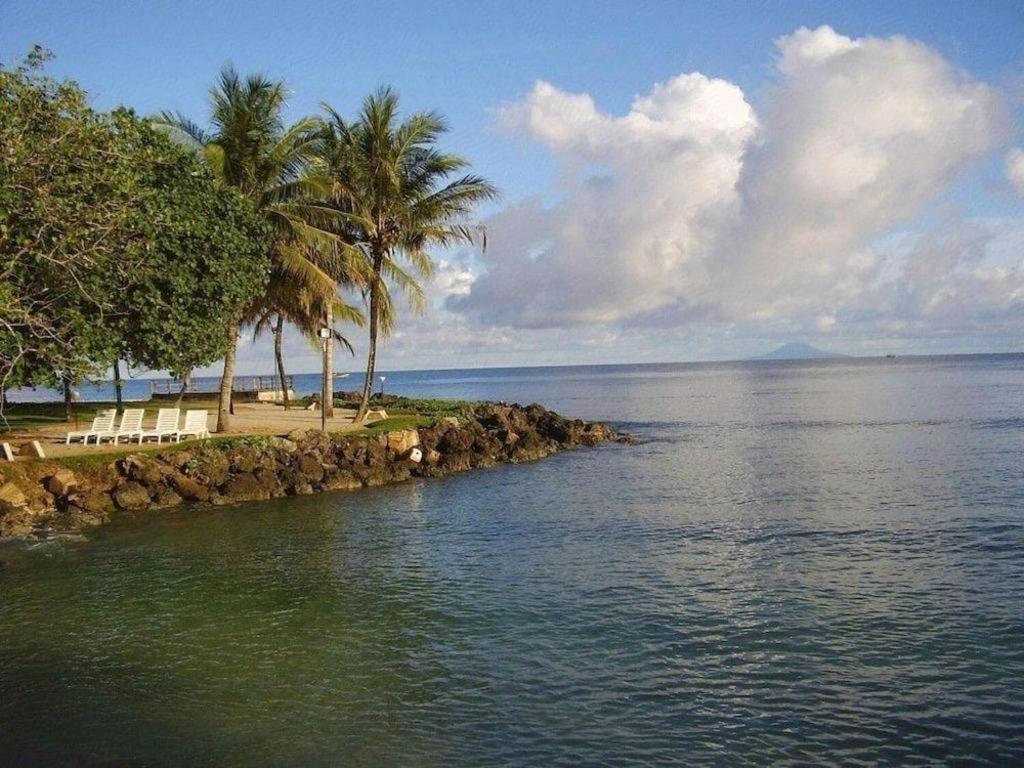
398	199
278	169
114	240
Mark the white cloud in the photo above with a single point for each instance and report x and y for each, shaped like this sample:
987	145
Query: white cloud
1015	169
690	207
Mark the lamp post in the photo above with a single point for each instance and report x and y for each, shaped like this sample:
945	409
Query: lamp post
382	380
325	390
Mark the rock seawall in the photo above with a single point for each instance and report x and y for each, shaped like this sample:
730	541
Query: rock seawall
39	497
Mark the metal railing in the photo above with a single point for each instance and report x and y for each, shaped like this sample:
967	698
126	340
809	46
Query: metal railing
242	384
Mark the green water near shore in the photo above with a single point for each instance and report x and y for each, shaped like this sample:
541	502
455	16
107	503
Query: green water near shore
799	564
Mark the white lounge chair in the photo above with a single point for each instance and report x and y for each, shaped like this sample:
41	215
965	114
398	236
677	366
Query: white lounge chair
166	425
195	424
131	426
101	424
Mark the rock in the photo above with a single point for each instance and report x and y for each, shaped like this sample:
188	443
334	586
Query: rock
32	449
244	487
303	489
433	457
209	468
310	468
168	498
508	437
456	441
93	502
244	459
62	482
450	421
131	495
372	475
188	488
144	469
403	440
342	480
269	482
298	435
283	444
12	498
78	518
414	455
456	462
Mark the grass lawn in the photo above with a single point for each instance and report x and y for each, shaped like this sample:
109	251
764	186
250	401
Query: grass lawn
31	415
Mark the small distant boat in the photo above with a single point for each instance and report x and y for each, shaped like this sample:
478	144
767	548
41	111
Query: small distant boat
340	375
891	357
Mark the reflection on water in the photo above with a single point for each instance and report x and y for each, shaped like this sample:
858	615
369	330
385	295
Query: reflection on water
802	563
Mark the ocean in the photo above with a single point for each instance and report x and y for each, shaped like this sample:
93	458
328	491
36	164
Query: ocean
815	562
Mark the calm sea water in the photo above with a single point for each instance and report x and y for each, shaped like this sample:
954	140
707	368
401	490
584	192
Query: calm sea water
801	563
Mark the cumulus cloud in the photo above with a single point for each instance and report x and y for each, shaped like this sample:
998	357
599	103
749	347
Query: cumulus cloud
1015	169
692	207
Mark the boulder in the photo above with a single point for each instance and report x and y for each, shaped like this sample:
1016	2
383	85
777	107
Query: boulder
283	444
209	468
269	481
342	480
144	469
131	496
167	498
62	482
244	459
401	441
244	487
507	436
450	421
12	498
188	488
456	441
32	449
311	469
94	503
433	457
18	524
77	518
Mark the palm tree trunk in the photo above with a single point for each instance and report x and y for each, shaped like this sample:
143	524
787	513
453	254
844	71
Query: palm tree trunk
226	381
278	341
118	386
329	365
371	357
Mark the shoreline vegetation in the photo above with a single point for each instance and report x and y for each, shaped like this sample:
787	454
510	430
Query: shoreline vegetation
132	243
40	498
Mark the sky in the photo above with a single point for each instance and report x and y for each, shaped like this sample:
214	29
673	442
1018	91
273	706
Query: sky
680	181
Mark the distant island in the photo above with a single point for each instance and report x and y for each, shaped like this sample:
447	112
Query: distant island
798	351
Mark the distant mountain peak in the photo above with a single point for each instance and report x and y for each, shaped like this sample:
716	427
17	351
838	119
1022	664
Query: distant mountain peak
796	350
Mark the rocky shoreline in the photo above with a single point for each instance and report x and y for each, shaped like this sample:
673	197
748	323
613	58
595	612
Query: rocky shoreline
43	497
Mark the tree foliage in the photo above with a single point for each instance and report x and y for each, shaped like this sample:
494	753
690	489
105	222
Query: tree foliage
114	240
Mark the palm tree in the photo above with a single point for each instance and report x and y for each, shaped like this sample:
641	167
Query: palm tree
393	188
278	168
309	308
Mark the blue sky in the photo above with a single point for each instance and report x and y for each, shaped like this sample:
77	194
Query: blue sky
469	59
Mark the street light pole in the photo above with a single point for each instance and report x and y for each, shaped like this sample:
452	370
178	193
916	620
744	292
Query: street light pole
325	389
